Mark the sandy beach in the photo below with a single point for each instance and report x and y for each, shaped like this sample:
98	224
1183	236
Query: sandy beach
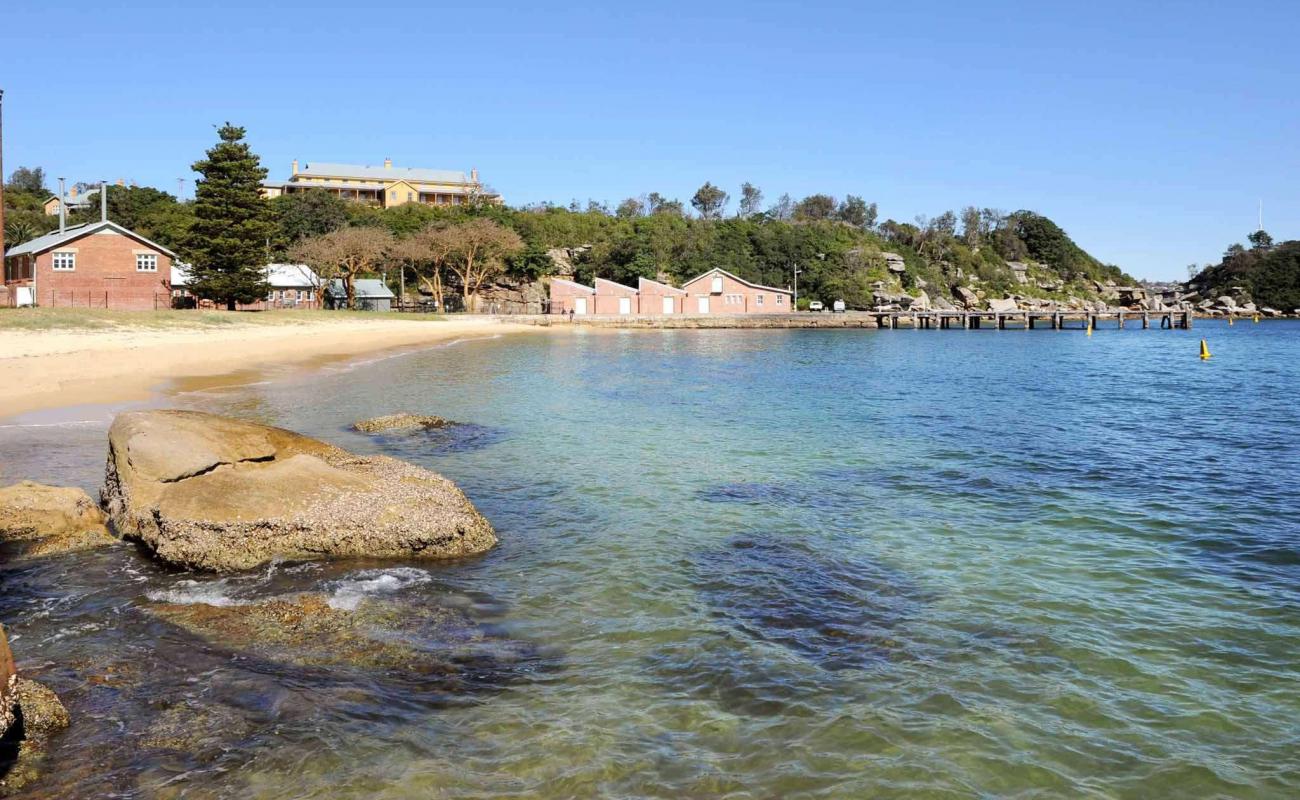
46	369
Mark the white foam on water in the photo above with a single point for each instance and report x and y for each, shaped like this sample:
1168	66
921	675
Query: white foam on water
212	593
348	593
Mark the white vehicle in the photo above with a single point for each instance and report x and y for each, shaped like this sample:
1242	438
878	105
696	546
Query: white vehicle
816	305
838	307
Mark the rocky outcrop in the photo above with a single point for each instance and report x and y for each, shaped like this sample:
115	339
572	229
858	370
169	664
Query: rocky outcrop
39	520
966	296
214	493
512	298
8	685
1003	305
401	421
29	715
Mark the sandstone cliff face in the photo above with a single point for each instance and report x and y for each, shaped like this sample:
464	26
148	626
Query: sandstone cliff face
209	492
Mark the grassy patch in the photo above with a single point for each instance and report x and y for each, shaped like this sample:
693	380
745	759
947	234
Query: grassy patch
41	319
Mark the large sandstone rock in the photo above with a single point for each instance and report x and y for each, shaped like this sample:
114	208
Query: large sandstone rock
38	520
1002	305
214	493
8	685
967	296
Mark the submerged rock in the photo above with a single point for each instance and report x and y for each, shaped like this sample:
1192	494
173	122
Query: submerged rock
39	520
839	613
215	493
441	646
401	421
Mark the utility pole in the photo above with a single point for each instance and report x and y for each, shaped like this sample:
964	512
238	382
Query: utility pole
180	189
2	176
796	286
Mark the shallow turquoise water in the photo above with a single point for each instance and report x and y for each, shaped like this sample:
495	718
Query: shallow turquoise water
754	564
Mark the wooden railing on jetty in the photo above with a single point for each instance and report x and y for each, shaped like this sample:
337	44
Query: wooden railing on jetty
934	319
1056	320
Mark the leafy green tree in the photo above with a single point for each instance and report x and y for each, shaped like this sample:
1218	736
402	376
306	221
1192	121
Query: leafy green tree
27	179
856	212
751	199
815	207
1260	240
228	241
630	208
314	212
709	201
530	263
972	226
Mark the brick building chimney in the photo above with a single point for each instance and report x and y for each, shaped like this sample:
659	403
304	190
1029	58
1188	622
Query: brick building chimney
388	163
295	167
473	175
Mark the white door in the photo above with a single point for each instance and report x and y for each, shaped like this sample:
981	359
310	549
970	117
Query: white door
580	305
668	305
625	305
704	305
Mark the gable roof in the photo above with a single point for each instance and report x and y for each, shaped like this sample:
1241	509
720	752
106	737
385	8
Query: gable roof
280	276
641	282
736	278
366	288
326	169
54	238
79	200
574	284
615	284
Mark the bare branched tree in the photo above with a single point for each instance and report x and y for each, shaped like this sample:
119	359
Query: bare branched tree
346	254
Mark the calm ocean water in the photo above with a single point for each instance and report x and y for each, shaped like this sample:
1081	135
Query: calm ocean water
742	564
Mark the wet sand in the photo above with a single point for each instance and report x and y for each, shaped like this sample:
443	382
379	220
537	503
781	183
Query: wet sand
42	370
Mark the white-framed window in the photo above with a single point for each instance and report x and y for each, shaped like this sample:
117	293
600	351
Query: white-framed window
410	196
758	299
65	262
780	299
146	262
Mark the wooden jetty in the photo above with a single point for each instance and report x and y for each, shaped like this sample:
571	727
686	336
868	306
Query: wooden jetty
1028	320
934	319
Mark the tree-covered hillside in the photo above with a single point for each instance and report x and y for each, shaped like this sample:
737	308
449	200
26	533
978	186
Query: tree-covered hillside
838	246
1266	274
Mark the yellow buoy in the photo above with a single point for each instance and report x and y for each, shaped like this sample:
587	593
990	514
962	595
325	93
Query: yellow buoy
1205	350
1229	319
1089	326
1256	319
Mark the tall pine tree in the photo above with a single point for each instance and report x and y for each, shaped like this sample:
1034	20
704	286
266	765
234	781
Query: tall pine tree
227	243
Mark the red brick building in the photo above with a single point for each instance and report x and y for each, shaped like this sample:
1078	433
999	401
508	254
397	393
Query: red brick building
719	292
658	298
568	296
615	298
96	265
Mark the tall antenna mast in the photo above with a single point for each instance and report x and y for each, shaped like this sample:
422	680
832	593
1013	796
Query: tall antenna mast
180	188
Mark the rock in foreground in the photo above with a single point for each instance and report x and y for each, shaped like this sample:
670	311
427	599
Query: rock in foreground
401	421
39	519
8	685
210	492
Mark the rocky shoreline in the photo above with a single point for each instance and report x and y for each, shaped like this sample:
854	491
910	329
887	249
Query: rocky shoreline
210	493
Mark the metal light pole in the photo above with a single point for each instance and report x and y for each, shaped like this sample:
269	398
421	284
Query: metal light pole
796	286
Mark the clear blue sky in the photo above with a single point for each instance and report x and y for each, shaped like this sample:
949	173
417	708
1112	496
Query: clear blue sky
1149	131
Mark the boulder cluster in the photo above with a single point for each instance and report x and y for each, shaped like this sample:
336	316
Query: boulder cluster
207	492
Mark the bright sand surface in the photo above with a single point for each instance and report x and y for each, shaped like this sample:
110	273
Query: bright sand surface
46	369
